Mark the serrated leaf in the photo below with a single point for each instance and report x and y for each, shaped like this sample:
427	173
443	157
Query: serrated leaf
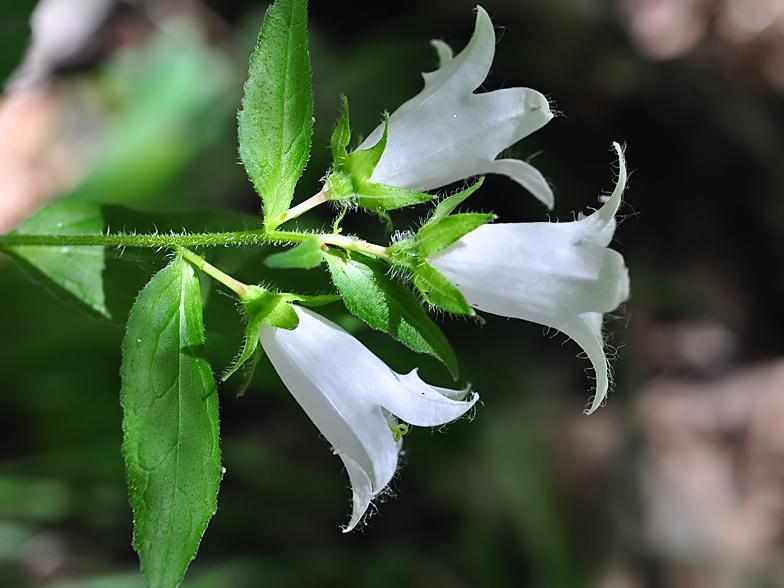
276	119
440	234
306	255
341	136
170	424
447	205
439	291
77	270
386	304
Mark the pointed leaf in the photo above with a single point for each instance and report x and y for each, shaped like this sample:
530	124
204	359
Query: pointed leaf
447	205
440	234
388	305
170	424
439	291
276	119
263	308
248	349
306	255
251	370
381	197
77	270
341	136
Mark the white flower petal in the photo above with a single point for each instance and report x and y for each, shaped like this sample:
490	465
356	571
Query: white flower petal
424	405
447	133
601	224
556	274
444	51
362	490
586	331
524	174
466	72
348	393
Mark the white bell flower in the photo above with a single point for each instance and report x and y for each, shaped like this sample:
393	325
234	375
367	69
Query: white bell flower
561	275
447	133
354	399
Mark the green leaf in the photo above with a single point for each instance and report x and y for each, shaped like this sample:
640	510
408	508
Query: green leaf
341	136
440	234
382	197
170	424
447	205
439	291
267	308
76	270
387	305
306	255
169	105
251	370
276	119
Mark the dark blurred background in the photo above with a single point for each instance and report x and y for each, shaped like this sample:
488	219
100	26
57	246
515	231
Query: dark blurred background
678	482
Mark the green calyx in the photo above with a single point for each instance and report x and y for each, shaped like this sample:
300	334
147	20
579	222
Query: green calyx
439	232
263	308
349	180
269	308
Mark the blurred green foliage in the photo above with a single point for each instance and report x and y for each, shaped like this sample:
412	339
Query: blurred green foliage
14	34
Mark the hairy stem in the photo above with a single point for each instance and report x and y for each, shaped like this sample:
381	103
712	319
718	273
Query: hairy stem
209	269
191	240
341	241
149	241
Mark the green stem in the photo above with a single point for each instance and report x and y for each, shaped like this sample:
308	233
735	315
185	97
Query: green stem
150	241
323	196
190	240
209	269
341	241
